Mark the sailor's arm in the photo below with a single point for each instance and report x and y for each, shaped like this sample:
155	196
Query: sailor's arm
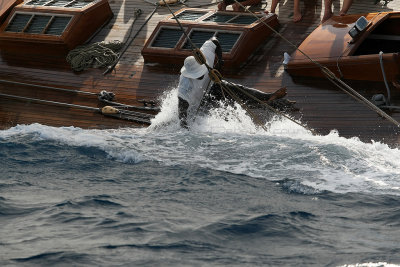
211	49
218	52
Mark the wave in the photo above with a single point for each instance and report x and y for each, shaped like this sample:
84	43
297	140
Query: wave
371	264
230	142
54	258
90	201
7	209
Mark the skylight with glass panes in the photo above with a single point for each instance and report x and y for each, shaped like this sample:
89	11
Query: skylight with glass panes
49	24
60	3
219	17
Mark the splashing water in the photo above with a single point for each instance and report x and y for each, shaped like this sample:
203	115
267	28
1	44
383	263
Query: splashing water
225	192
229	141
371	264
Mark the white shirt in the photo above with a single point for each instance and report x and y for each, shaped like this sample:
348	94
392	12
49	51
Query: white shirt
192	90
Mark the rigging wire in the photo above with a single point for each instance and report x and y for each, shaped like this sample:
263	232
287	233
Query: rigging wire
215	73
106	111
330	75
137	14
49	87
100	95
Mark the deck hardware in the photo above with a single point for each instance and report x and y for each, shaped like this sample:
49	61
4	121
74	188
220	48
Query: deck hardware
138	117
360	25
112	66
104	100
333	78
104	95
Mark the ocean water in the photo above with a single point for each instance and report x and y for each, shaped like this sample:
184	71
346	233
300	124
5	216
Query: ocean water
224	193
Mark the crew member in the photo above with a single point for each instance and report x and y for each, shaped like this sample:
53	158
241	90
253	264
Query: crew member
235	6
194	82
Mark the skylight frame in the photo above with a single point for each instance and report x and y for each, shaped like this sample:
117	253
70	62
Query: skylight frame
235	52
48	4
158	32
216	32
207	15
201	18
33	14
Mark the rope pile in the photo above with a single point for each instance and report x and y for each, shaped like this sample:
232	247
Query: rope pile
96	55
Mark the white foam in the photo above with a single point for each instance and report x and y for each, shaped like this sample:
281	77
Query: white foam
111	141
231	142
371	264
168	117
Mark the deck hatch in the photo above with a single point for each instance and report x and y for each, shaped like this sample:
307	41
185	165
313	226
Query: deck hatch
78	4
231	19
38	24
58	25
167	38
233	30
227	40
198	38
37	2
60	3
244	20
190	15
18	23
221	18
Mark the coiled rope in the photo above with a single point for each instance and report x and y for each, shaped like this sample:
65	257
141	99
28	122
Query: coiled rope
95	55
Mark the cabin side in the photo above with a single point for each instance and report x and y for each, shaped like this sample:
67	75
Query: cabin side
168	43
51	27
352	58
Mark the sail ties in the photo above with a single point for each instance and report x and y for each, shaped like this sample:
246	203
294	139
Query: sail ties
216	77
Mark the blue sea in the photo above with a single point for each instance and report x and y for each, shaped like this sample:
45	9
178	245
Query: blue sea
224	193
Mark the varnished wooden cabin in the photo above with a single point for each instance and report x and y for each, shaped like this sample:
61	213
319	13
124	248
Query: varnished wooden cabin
234	30
51	27
321	105
353	58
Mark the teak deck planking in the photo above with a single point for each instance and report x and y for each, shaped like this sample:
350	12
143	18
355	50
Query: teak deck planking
322	106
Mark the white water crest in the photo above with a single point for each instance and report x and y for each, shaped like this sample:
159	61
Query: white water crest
230	142
371	264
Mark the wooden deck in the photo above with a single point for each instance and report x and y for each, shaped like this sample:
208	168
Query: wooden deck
322	106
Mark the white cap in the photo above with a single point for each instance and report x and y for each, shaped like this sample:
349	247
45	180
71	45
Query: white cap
192	69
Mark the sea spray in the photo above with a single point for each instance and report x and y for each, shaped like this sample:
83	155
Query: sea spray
226	139
167	118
